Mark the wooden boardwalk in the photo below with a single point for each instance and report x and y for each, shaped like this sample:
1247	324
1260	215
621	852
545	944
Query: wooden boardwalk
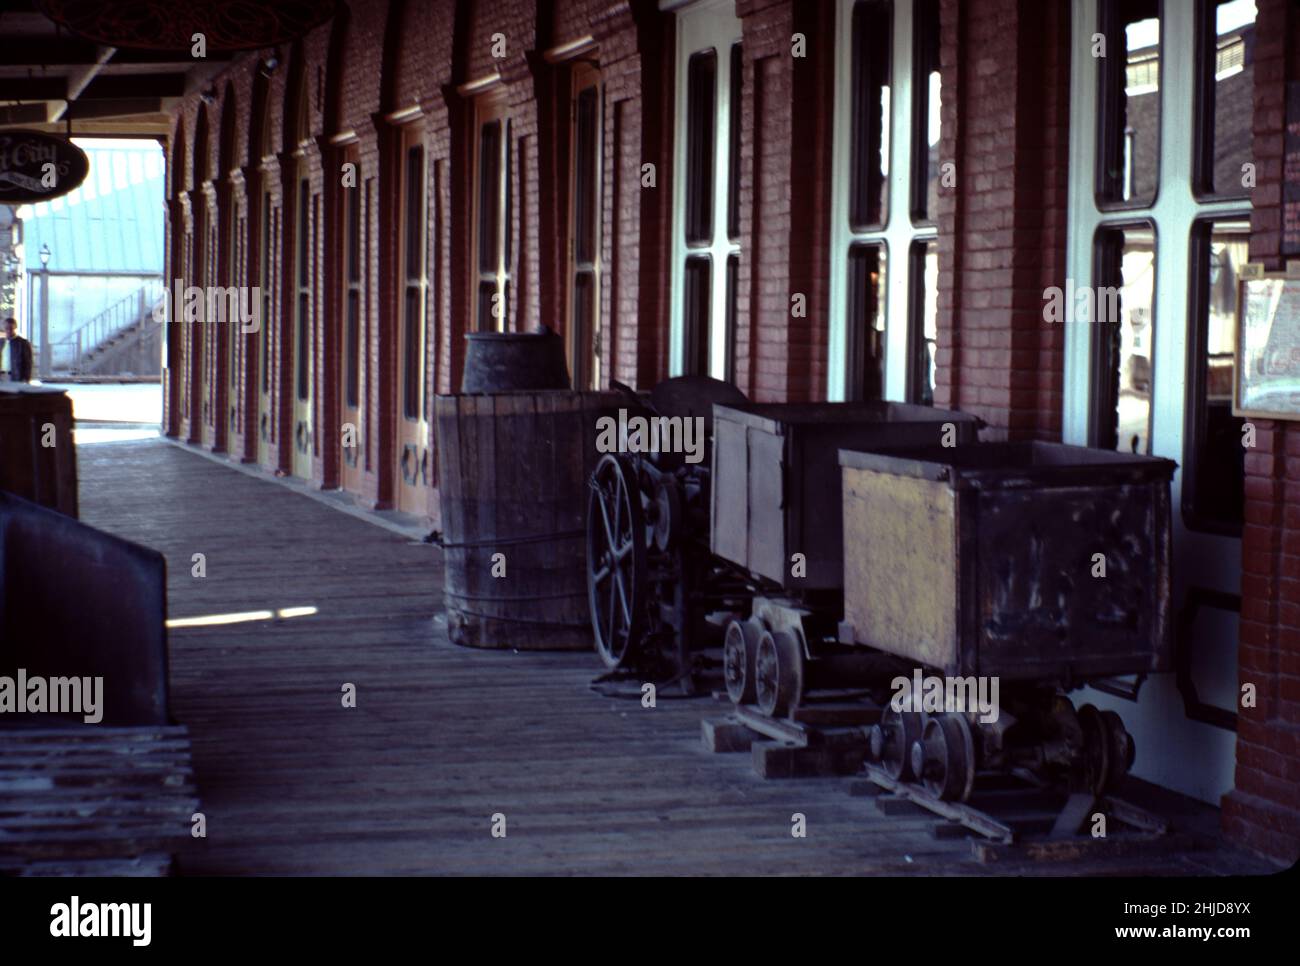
444	737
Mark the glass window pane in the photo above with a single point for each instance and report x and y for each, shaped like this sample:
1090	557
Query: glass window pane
354	349
869	145
487	290
414	210
923	321
701	109
585	175
411	353
489	195
354	233
926	85
304	207
1125	291
301	347
1229	60
1214	459
733	274
733	166
1129	108
866	322
584	291
697	293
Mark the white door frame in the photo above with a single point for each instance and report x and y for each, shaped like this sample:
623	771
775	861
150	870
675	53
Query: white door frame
702	25
1164	736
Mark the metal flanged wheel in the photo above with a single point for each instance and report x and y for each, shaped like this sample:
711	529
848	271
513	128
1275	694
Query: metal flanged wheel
1094	757
778	669
1122	750
739	655
944	758
616	559
892	740
667	517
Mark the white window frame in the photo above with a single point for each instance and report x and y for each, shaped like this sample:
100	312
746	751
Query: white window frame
702	25
1173	212
1201	558
899	232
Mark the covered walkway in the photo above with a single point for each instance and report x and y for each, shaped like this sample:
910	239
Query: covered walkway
442	737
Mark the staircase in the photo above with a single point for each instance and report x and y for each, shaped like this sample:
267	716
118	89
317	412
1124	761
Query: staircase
123	339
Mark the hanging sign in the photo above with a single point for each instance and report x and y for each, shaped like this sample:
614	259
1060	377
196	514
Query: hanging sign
35	166
1268	347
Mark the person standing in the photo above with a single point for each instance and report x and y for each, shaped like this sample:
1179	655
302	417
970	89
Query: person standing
15	355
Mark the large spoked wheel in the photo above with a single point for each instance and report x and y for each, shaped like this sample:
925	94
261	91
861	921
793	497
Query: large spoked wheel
616	559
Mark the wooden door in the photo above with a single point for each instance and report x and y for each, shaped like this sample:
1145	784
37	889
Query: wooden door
353	211
301	376
412	451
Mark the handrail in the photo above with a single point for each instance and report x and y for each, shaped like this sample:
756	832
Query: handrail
123	314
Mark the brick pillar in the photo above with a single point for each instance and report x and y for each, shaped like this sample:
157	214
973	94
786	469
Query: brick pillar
785	192
1263	810
1006	81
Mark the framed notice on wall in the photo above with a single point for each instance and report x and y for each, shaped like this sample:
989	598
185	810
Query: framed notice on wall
1268	348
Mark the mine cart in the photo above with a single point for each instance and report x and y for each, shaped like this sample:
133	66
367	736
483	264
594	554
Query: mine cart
747	542
1040	565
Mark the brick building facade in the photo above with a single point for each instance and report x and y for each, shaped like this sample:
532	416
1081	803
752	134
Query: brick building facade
800	268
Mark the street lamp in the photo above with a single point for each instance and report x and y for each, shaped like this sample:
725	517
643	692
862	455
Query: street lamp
45	310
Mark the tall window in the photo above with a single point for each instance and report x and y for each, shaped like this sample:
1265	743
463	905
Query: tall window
302	379
706	228
1128	136
584	229
352	276
885	265
1226	95
264	280
1213	457
1122	316
492	214
413	284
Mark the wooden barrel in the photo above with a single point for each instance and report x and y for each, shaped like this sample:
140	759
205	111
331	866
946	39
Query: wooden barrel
514	361
512	472
38	460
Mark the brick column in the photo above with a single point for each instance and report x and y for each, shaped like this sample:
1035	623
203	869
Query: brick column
1006	83
1263	810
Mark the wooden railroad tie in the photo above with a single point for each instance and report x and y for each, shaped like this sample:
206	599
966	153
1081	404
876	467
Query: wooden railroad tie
819	741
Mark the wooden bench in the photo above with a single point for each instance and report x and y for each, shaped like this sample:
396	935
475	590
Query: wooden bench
114	797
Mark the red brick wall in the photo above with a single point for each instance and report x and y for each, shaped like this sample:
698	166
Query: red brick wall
1263	810
1005	72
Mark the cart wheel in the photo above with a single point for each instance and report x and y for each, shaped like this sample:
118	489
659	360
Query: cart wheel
779	673
944	758
616	559
739	653
892	740
1094	758
667	514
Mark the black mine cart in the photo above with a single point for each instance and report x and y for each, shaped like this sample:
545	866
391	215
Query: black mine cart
1040	565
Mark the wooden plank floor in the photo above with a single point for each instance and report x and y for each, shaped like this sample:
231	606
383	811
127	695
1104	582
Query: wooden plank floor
443	737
